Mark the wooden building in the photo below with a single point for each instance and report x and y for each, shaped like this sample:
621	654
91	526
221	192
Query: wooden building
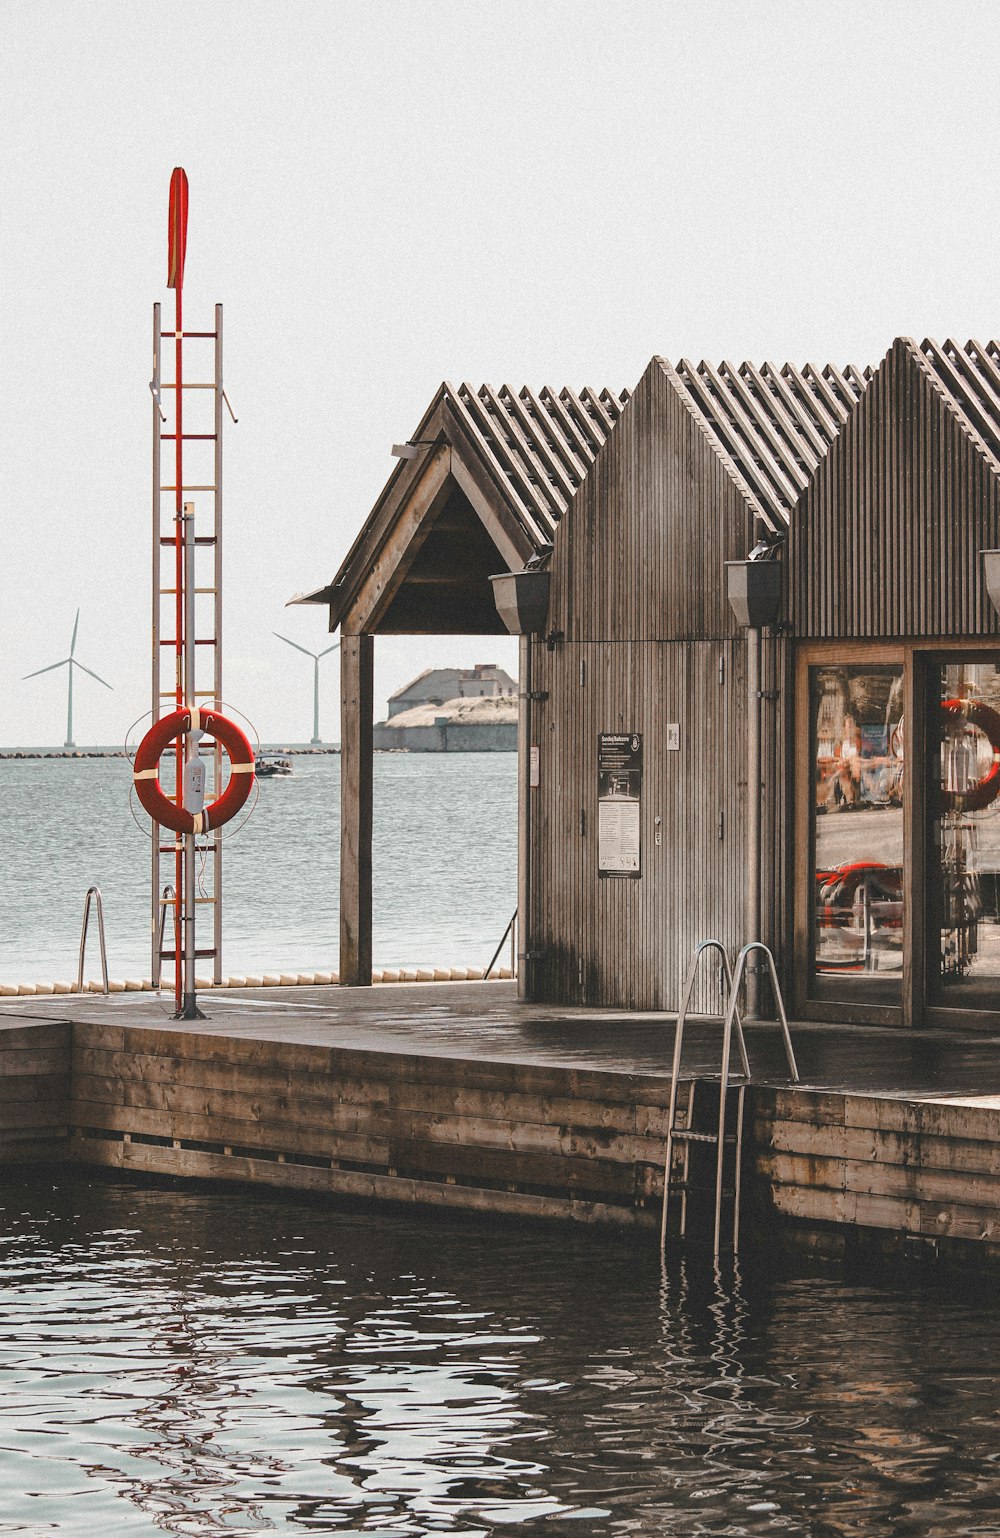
824	778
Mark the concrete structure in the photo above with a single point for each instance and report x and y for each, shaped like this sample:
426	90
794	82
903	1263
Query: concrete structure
487	725
440	686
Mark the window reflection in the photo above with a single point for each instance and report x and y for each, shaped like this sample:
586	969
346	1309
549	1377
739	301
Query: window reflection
858	819
966	841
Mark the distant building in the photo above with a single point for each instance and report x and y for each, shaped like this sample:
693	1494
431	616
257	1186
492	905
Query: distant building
452	710
437	686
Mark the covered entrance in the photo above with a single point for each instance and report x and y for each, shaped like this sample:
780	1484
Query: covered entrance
479	490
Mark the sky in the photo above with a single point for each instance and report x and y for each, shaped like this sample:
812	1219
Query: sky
388	193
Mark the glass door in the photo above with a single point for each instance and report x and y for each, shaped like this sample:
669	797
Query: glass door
857	867
962	865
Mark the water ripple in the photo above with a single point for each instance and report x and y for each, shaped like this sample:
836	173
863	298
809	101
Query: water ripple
183	1363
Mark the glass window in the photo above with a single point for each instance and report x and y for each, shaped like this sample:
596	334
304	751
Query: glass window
857	735
964	865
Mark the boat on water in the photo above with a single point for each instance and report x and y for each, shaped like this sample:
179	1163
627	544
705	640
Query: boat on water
269	765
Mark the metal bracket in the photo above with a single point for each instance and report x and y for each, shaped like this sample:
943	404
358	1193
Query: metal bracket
769	694
534	694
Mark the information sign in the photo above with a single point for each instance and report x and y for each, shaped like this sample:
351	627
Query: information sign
619	797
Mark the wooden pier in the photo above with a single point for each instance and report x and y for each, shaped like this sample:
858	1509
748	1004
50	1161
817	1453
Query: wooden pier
459	1096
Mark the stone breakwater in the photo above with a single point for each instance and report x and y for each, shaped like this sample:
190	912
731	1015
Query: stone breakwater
11	753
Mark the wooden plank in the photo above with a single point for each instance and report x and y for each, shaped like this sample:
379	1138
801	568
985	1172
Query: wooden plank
956	1188
430	1067
402	543
286	1116
27	1088
15	1034
621	1116
368	1187
35	1114
356	787
27	1061
916	1150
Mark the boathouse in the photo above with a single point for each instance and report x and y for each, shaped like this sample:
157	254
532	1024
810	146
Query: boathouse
760	672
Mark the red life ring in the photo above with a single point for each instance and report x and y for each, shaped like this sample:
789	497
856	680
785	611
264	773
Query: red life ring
146	773
979	795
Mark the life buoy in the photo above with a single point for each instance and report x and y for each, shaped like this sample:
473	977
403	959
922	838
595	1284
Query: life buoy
979	795
146	772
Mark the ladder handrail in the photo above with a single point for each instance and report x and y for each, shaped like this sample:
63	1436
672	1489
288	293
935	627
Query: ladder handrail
734	978
732	1012
93	891
689	982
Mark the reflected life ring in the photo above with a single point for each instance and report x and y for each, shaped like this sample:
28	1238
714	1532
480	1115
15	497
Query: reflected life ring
979	795
146	774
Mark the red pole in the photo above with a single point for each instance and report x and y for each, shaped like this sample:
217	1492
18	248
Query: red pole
176	251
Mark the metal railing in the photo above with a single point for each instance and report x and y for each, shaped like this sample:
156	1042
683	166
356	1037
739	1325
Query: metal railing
167	897
93	891
734	976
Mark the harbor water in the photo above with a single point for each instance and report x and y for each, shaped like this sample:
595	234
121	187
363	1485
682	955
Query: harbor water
444	857
200	1362
180	1362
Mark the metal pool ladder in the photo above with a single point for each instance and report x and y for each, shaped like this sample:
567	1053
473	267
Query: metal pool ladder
698	1132
95	892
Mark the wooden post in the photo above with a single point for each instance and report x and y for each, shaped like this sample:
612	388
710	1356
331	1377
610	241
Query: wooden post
357	655
524	829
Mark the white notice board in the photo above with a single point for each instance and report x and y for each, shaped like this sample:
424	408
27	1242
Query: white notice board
619	804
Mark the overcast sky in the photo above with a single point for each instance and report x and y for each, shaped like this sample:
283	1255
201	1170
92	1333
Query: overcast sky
385	195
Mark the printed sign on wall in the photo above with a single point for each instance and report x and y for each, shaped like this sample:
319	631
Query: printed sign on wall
619	796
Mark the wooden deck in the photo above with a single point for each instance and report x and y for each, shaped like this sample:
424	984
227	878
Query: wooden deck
458	1096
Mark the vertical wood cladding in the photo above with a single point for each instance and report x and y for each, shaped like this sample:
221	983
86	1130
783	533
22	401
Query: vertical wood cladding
887	539
641	555
621	942
638	590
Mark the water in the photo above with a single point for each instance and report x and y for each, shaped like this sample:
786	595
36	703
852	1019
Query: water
445	865
176	1362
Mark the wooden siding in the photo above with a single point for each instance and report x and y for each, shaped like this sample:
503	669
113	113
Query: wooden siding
34	1090
926	1168
886	541
510	1138
623	942
641	555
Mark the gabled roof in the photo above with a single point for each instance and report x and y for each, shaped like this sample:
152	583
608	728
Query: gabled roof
969	379
541	444
494	472
770	425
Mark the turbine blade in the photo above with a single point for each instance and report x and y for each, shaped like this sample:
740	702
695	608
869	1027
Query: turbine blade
330	649
298	648
76	626
49	669
92	675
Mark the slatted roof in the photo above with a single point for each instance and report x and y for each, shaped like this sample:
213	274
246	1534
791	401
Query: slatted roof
518	455
968	376
540	444
772	425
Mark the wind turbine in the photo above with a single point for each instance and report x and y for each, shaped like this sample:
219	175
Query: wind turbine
315	657
71	663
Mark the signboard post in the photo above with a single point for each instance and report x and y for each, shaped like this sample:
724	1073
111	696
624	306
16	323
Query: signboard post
619	802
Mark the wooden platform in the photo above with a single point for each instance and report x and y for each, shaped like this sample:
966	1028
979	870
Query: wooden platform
456	1095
